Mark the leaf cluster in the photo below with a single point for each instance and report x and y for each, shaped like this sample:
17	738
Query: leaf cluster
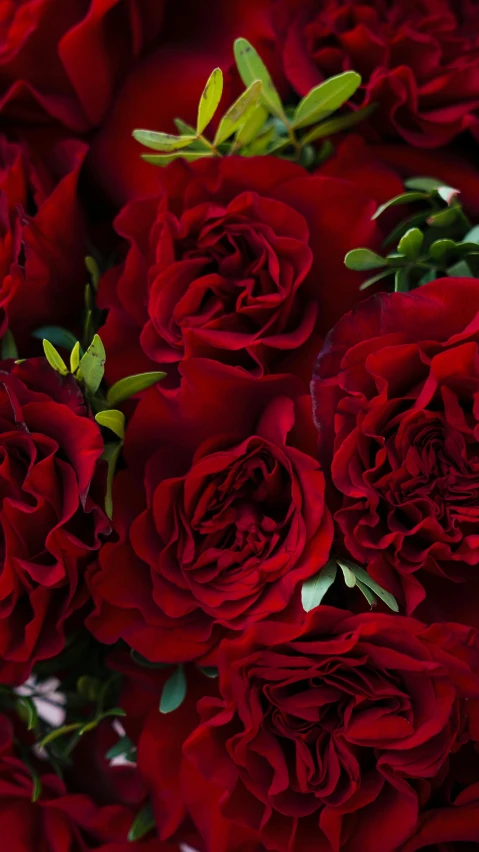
314	589
258	122
434	240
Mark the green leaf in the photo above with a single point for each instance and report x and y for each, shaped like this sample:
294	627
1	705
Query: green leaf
143	823
472	236
363	258
147	664
252	126
336	125
89	687
410	244
428	276
447	193
460	270
9	347
209	671
443	218
314	589
57	335
92	365
369	281
93	270
378	590
54	359
27	711
124	747
238	113
174	691
251	68
401	281
404	198
439	248
111	454
131	385
37	787
58	732
162	141
348	574
371	599
112	419
90	726
75	356
209	100
166	159
424	184
326	98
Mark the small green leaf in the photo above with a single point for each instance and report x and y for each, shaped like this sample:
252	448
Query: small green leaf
439	248
363	258
348	574
368	581
401	281
252	126
9	347
124	747
371	599
472	236
404	198
238	113
162	141
402	227
58	732
174	691
112	419
88	687
111	454
410	244
143	823
209	671
326	98
56	335
166	159
370	281
92	365
336	125
54	359
209	100
93	270
27	711
314	589
131	385
75	356
443	218
252	68
424	184
447	193
460	270
37	787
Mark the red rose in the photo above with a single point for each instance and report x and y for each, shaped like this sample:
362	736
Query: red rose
42	238
234	260
419	60
395	398
220	515
335	729
180	797
64	60
50	526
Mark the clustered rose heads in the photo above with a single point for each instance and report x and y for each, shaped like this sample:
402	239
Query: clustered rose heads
230	463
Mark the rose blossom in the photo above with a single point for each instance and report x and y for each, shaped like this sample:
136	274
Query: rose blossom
50	525
395	398
220	513
335	729
233	260
419	60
